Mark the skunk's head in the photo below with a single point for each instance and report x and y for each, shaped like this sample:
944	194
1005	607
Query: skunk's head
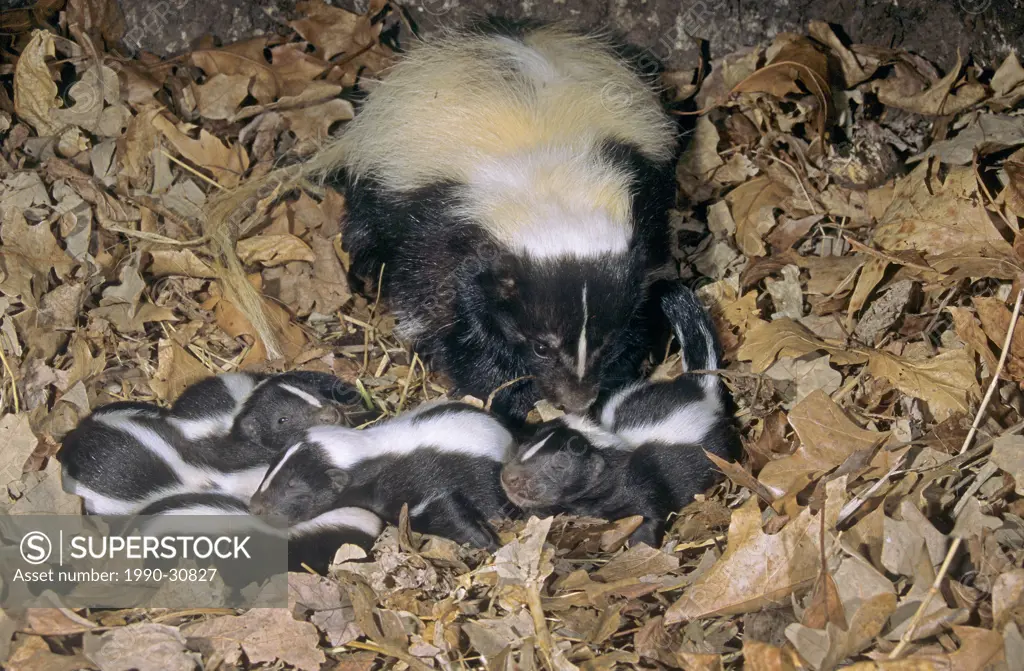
566	317
302	482
556	467
292	402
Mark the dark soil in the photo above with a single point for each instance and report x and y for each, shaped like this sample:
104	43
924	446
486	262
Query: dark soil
936	29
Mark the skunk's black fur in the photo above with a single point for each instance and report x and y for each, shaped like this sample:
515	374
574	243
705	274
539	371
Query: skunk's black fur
665	427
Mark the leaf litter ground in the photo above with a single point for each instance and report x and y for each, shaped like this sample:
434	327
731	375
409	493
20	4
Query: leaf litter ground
851	217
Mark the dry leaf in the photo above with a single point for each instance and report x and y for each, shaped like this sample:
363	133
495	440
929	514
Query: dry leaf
227	163
35	94
1008	454
947	381
176	369
784	337
752	204
970	332
274	250
757	569
34	654
827	438
264	635
18	444
331	29
220	96
936	218
995	320
144	646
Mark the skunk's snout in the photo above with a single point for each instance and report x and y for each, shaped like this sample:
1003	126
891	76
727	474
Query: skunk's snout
330	414
257	507
575	399
523	486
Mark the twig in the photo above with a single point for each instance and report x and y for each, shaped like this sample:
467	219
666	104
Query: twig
14	380
986	472
156	237
955	545
932	591
388	650
502	386
851	507
807	196
995	376
540	626
192	170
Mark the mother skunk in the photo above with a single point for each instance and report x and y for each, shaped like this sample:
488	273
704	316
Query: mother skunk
515	187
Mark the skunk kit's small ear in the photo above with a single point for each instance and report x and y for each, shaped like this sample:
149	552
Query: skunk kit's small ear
339	478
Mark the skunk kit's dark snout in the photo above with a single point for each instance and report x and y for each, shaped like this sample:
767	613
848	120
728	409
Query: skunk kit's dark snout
523	487
257	506
574	397
331	413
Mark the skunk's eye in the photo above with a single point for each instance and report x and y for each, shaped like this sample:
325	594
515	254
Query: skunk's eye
282	420
541	349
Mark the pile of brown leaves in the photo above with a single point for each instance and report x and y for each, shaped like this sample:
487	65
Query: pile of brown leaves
863	257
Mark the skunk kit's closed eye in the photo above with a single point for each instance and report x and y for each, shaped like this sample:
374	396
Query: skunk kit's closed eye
514	186
664	428
442	459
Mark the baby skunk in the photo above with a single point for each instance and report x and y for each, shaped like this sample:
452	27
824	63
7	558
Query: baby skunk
124	455
663	426
514	185
261	409
443	459
313	542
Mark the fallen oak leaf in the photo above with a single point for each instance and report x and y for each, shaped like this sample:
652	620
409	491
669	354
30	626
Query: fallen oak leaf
947	382
827	439
867	597
227	163
274	250
758	569
751	204
330	29
1008	455
935	217
35	93
220	96
995	321
144	646
972	335
264	635
741	477
242	58
799	60
937	100
785	337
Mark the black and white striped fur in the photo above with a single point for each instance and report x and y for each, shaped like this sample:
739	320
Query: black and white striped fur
125	455
312	542
514	184
442	459
659	466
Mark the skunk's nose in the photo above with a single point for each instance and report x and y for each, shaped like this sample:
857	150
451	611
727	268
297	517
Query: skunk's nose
330	414
257	507
576	402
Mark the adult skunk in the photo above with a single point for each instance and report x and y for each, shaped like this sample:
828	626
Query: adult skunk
514	185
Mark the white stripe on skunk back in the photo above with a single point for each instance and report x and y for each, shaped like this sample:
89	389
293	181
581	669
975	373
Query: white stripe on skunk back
520	124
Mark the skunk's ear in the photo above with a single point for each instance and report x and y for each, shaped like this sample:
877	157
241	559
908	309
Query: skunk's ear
339	478
499	280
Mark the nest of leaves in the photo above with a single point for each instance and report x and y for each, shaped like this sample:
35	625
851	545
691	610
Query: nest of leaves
852	214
